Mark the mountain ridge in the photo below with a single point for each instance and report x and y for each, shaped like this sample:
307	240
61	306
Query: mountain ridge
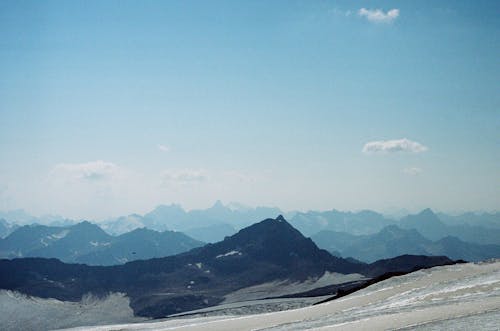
86	242
264	252
394	241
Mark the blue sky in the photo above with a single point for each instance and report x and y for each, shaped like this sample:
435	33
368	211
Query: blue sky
112	108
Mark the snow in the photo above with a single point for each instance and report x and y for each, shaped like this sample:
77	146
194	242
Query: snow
59	235
463	296
228	254
21	312
280	288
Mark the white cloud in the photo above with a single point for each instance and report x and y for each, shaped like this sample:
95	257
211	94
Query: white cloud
183	176
89	171
413	171
378	15
163	148
393	146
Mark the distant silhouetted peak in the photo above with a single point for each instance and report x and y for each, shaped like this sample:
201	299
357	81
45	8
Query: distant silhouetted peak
85	224
87	227
270	229
218	205
272	240
280	218
427	212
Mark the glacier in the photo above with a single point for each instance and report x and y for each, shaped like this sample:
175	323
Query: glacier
461	296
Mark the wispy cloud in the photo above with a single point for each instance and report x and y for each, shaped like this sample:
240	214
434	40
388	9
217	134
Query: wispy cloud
413	171
394	146
163	148
88	171
378	15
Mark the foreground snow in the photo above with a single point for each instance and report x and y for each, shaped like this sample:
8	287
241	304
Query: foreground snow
21	312
451	297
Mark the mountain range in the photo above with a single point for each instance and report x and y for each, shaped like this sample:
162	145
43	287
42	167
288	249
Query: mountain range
268	252
6	228
209	225
358	223
430	226
219	221
215	223
365	235
392	241
88	243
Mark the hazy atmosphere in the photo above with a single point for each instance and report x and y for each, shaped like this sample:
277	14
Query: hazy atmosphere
112	108
249	165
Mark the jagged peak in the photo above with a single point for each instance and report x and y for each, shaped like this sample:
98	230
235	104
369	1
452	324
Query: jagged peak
218	205
427	212
280	218
85	223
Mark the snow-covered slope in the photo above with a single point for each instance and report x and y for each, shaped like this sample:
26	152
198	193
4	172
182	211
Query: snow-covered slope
465	296
21	312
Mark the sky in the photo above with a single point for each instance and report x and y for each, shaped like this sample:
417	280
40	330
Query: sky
110	108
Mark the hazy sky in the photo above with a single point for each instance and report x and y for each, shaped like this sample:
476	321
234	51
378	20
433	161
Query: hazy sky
108	108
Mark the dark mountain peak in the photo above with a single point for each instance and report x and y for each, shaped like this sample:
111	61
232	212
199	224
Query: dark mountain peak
272	241
280	218
272	226
428	213
85	224
426	216
86	229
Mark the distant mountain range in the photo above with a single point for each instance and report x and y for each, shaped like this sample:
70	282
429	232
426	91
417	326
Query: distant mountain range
430	226
209	225
88	243
486	220
267	252
361	235
6	228
359	223
393	241
215	223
